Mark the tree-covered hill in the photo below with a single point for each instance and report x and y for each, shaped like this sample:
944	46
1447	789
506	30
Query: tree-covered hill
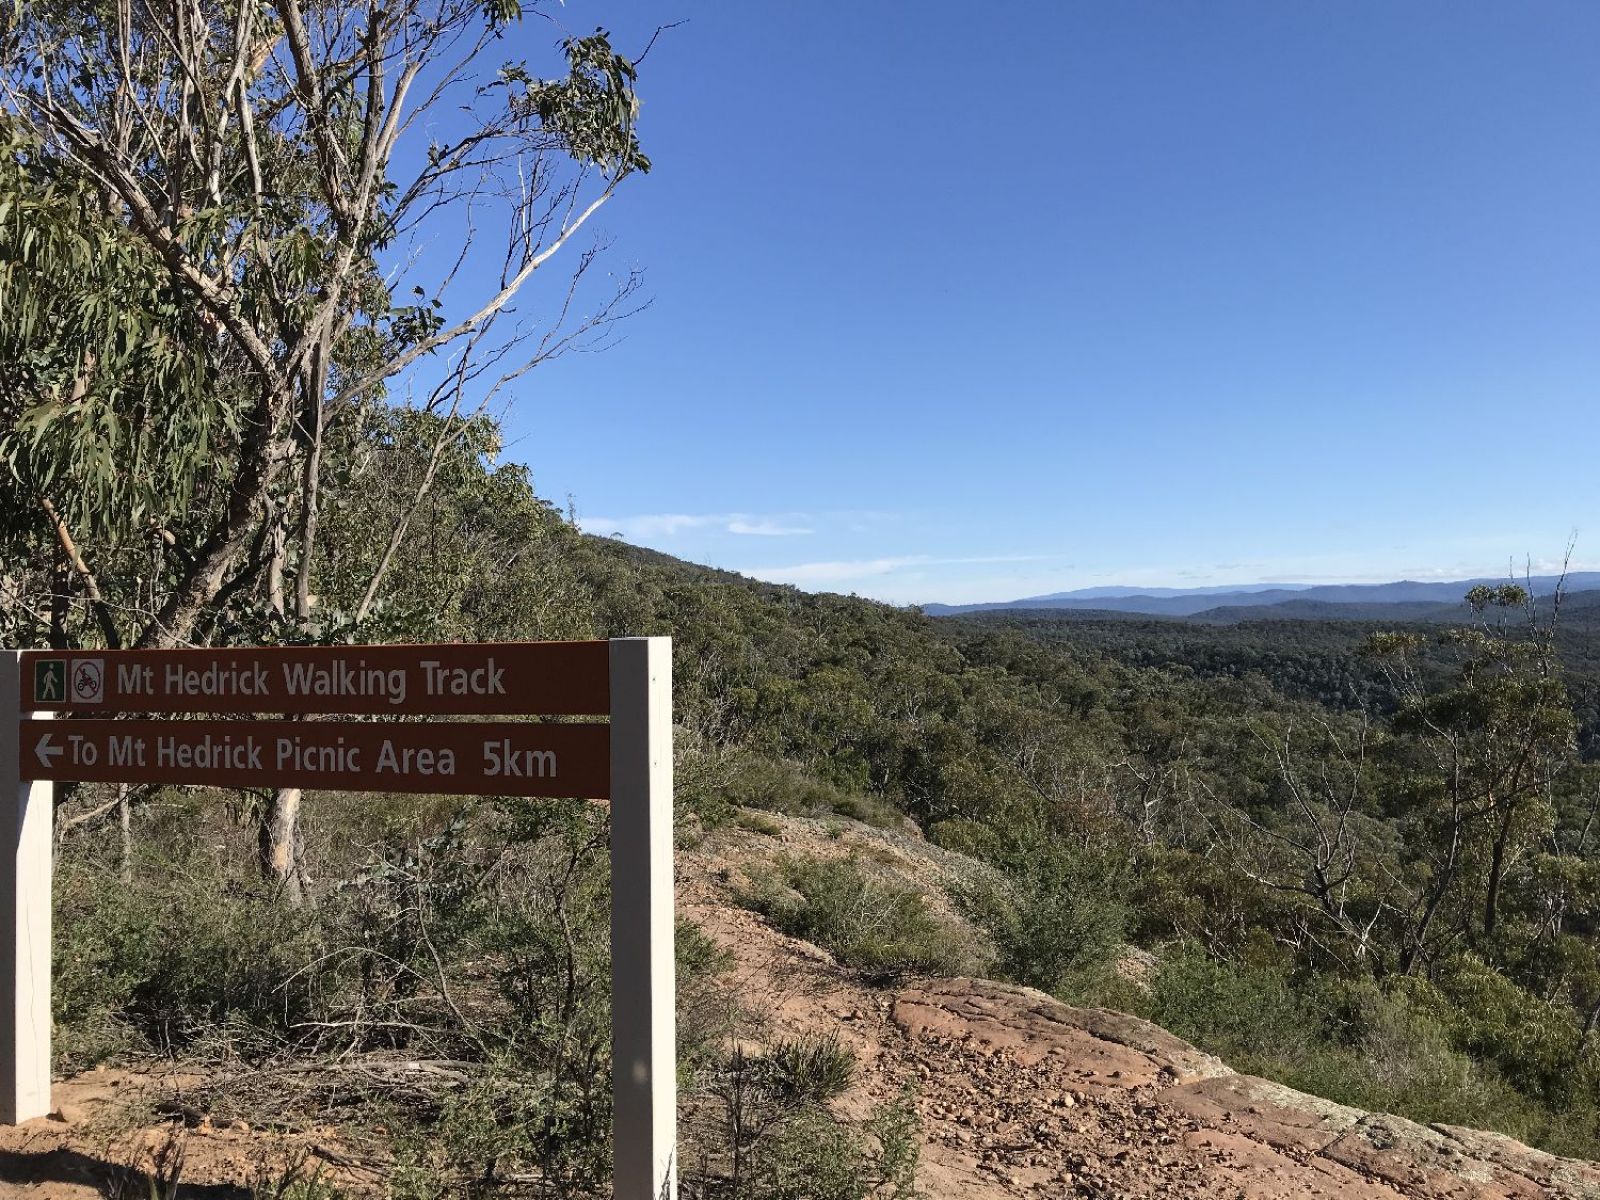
1391	824
1304	659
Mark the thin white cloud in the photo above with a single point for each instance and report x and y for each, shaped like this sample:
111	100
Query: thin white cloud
765	528
646	527
652	525
810	574
844	571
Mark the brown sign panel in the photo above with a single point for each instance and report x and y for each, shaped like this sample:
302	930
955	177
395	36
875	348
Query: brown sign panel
474	758
566	678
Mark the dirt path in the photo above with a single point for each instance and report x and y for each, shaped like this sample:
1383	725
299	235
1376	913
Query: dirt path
112	1125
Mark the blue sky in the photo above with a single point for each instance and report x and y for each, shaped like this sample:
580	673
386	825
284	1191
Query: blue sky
966	302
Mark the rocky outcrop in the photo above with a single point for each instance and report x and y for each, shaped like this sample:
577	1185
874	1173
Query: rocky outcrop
1047	1099
1023	1096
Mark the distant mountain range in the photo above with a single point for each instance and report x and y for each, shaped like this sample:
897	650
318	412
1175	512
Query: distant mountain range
1404	600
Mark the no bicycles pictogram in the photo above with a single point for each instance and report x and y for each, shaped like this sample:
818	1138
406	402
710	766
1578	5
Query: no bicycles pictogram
88	680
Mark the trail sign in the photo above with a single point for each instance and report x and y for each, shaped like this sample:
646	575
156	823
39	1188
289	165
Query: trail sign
628	761
565	678
501	759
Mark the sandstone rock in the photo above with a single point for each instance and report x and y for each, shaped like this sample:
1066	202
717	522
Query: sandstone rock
1024	1095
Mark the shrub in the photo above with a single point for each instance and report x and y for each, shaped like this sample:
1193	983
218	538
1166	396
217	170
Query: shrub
965	836
295	1181
483	944
784	787
868	922
182	951
816	1156
1251	1014
776	1138
1396	1058
1055	911
1352	1042
758	822
868	809
1536	1045
814	1068
706	1010
508	1120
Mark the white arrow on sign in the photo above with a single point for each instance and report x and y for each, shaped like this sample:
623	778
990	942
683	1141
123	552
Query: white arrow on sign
48	752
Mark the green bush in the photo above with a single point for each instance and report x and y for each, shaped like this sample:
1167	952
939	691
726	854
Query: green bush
780	786
508	1120
816	1156
758	822
776	1138
814	1069
294	1182
1351	1041
1054	910
1370	1049
965	836
478	936
706	1010
866	921
182	951
868	809
1249	1014
1536	1045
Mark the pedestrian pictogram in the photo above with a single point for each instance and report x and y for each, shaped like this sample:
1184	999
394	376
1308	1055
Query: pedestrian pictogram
50	681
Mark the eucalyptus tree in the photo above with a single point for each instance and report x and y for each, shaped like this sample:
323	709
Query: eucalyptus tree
1479	766
112	400
232	229
1456	825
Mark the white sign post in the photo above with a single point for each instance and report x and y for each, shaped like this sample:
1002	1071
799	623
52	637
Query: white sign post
26	827
644	1062
630	761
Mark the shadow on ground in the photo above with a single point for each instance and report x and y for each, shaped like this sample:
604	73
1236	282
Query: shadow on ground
109	1179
